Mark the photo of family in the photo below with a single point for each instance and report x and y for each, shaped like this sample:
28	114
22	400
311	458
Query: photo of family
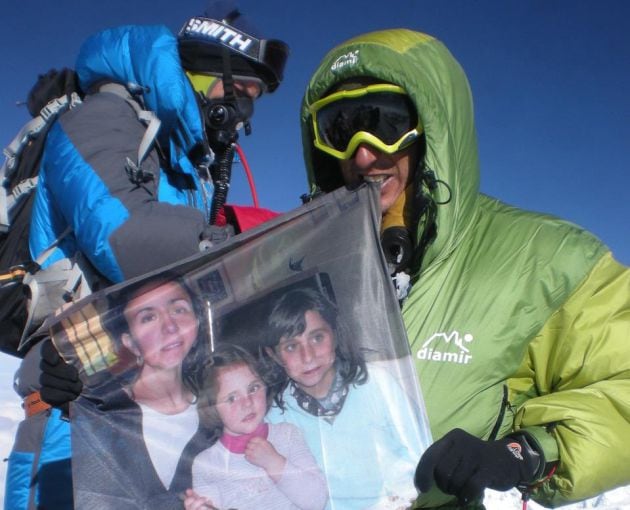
199	396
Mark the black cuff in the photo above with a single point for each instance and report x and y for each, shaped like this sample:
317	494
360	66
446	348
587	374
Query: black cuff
534	457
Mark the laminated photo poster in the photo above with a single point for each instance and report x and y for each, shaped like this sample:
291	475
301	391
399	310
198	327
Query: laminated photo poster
271	372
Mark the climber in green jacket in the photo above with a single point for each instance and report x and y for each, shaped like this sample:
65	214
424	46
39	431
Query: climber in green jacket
519	322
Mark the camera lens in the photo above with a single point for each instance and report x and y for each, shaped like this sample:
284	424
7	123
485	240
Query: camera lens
218	115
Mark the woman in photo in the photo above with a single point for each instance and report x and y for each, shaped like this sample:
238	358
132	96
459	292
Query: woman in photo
253	464
145	450
364	431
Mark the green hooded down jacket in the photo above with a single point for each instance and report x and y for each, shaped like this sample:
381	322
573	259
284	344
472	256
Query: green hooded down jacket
517	320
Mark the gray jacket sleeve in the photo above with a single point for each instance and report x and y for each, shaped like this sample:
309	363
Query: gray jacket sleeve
120	225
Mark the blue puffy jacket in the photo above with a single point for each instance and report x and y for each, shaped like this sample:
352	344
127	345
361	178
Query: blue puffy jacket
124	228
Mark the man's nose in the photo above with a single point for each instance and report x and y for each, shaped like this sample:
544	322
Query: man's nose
249	89
365	156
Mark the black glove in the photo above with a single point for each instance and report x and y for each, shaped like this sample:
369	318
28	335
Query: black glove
60	383
464	465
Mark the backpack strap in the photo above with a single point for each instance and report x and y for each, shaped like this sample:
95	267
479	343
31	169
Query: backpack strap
68	279
134	168
35	125
13	151
57	272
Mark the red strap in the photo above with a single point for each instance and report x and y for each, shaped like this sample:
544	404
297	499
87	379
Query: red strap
244	217
526	492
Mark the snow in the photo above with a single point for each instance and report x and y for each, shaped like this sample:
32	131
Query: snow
11	414
618	499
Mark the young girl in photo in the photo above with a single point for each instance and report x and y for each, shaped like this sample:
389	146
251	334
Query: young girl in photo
254	464
364	431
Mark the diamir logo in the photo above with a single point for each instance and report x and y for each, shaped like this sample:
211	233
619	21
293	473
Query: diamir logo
350	58
440	348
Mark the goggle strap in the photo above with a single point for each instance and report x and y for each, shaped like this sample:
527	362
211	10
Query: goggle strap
228	79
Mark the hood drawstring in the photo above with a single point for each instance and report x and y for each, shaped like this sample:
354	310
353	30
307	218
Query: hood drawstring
425	211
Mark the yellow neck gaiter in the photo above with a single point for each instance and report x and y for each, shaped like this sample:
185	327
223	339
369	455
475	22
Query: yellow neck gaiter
399	214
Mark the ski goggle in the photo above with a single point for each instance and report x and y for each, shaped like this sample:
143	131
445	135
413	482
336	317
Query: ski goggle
203	82
380	115
202	39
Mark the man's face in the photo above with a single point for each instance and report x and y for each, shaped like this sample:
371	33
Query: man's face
394	171
242	87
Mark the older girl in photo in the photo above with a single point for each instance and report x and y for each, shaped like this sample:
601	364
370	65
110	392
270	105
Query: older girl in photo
364	431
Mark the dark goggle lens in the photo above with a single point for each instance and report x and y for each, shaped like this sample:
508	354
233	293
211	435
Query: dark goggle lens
386	115
274	55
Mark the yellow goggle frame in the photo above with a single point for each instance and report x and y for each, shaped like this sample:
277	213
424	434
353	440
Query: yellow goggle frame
360	137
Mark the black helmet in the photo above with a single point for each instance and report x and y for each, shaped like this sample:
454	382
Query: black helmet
203	40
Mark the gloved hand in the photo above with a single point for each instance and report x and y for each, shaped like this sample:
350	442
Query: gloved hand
60	383
464	465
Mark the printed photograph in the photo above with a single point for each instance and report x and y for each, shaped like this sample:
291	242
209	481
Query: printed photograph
282	390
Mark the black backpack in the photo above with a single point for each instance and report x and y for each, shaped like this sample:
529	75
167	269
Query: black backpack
29	294
54	93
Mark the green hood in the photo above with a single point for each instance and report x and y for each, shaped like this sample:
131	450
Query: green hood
438	87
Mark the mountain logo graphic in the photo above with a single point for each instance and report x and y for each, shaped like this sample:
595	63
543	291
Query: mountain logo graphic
515	449
348	59
447	348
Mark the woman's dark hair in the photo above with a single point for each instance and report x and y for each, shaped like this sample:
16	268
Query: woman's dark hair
225	355
118	325
287	319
